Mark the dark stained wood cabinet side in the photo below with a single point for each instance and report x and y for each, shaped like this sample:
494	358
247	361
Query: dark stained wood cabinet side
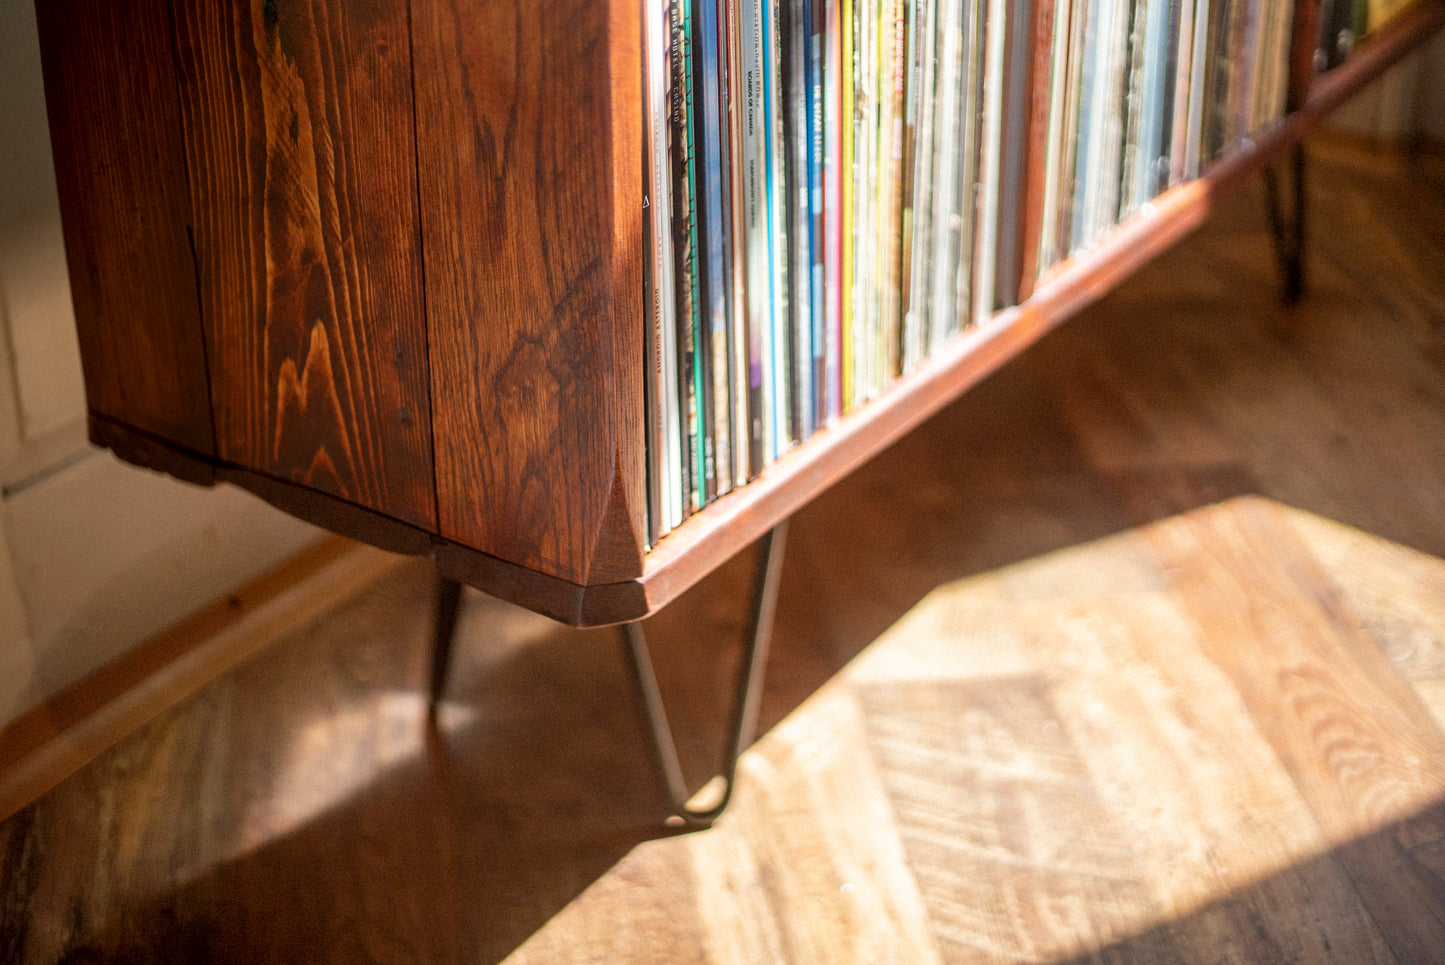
115	128
388	252
531	214
299	136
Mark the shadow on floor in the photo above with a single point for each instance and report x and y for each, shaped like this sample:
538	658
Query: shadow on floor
458	845
1400	866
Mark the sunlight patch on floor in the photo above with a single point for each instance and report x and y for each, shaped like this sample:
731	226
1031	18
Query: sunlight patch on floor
1125	662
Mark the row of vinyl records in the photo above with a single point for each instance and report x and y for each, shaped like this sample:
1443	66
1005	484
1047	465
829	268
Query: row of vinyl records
837	187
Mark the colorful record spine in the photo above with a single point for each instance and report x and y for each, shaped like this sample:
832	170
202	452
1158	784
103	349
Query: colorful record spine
778	354
758	278
815	22
714	234
663	402
684	229
834	75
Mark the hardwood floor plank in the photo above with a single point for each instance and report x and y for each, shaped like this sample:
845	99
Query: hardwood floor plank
1397	592
961	631
1278	627
1015	855
845	865
810	830
735	901
642	911
48	744
1353	735
1432	692
1170	747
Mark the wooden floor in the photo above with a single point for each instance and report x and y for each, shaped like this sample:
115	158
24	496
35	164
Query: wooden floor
1136	654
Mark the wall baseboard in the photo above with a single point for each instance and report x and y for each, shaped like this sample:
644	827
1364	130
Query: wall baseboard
49	743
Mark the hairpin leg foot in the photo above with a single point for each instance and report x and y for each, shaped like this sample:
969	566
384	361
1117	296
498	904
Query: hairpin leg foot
444	631
746	695
1289	231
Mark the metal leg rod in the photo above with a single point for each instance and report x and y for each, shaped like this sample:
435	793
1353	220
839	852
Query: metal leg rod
444	630
1289	232
746	695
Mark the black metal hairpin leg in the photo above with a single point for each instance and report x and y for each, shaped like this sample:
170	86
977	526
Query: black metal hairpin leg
444	630
1289	232
746	695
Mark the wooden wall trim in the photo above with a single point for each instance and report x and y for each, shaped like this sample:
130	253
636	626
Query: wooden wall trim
49	743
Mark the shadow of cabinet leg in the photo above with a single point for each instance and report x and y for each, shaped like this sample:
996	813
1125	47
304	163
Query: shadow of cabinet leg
444	631
746	694
1289	228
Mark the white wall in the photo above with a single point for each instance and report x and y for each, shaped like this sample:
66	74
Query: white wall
95	555
39	363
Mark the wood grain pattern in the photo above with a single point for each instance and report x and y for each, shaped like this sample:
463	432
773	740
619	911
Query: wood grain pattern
530	189
299	138
854	872
110	87
1014	852
1352	733
1174	754
1396	591
617	554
